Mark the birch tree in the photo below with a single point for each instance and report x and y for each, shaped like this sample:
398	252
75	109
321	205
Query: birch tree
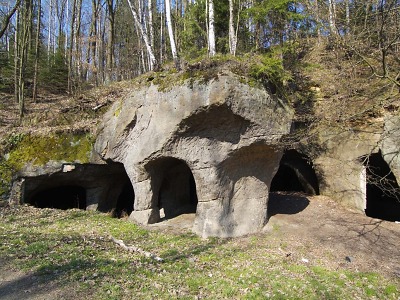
171	34
232	35
211	31
144	36
151	27
332	16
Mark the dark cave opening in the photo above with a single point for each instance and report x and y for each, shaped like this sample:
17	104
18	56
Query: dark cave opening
295	174
177	194
103	187
125	201
61	197
383	193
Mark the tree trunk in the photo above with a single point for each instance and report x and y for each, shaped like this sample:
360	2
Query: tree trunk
71	47
151	27
149	48
110	44
17	34
24	23
35	74
232	35
211	32
347	4
78	55
161	36
171	34
8	18
332	16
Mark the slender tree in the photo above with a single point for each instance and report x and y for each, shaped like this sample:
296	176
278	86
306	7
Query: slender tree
211	30
8	18
37	44
111	8
144	36
171	34
232	34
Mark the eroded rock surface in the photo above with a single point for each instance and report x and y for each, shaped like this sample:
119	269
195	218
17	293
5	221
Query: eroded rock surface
212	148
215	144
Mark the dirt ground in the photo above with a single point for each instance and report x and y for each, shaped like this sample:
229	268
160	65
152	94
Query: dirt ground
325	231
308	229
334	235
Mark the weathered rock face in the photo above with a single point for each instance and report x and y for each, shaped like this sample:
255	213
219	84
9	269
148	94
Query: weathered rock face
70	185
360	168
214	144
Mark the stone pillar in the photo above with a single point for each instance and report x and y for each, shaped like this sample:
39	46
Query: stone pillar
145	211
237	197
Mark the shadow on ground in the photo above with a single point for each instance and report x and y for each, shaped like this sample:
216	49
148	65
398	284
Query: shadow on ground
286	203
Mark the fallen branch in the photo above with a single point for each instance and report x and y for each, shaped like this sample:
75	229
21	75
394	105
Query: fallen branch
136	249
97	107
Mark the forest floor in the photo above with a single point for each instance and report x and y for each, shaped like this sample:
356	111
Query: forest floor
58	113
311	248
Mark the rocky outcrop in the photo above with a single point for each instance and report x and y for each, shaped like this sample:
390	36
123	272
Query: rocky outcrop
70	185
212	148
213	143
360	167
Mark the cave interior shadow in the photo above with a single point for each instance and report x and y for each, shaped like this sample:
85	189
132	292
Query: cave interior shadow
287	203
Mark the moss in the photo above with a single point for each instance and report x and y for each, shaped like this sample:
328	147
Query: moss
118	110
39	150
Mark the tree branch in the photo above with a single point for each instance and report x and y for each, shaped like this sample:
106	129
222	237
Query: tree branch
8	18
136	249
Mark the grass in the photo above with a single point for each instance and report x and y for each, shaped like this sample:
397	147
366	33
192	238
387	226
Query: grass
73	248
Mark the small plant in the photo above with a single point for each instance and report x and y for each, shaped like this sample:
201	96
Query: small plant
270	72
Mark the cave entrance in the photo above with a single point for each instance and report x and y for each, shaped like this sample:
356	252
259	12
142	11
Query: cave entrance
106	188
382	191
177	194
61	197
125	201
295	174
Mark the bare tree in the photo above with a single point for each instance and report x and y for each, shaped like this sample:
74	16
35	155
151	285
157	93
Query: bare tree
8	18
171	34
332	16
22	39
144	36
232	35
211	31
36	67
111	8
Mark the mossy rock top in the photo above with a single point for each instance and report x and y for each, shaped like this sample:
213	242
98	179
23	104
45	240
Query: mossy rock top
38	150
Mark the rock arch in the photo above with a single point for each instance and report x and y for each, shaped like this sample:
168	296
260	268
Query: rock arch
103	187
295	174
173	186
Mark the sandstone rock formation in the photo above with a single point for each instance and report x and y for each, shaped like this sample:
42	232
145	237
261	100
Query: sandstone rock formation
205	147
359	168
70	185
212	148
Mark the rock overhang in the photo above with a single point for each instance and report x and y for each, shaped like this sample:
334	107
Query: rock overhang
207	127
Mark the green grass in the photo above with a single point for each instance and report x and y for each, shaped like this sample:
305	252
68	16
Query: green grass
73	248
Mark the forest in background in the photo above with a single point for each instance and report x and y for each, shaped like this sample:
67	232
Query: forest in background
65	46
